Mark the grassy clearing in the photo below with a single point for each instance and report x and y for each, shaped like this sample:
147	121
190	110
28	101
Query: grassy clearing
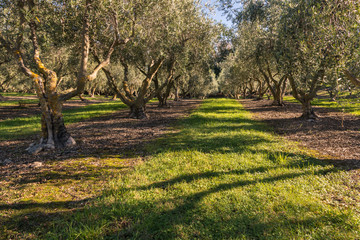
342	104
223	176
20	127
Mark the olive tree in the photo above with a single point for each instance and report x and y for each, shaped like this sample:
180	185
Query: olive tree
33	24
157	51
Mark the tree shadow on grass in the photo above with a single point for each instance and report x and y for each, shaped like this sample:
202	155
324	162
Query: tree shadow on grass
31	218
163	224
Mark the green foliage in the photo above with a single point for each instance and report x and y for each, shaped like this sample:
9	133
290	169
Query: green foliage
223	176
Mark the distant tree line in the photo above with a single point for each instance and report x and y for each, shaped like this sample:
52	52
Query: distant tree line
299	46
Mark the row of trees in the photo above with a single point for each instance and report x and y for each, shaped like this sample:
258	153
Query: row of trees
307	44
143	49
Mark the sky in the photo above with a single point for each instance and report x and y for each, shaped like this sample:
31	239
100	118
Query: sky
217	15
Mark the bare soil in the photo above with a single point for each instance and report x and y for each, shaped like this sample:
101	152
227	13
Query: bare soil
114	134
334	135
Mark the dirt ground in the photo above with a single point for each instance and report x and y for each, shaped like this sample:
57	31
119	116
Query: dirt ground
334	133
110	134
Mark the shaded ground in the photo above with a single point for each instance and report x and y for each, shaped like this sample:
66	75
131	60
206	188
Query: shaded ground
35	189
335	133
15	111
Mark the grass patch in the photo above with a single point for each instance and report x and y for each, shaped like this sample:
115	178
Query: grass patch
15	103
16	94
30	201
342	104
223	176
20	127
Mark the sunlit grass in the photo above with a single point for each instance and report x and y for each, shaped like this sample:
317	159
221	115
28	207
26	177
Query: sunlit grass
21	127
16	94
223	176
16	103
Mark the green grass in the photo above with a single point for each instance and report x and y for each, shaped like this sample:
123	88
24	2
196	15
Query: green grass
347	105
16	94
21	127
16	102
223	176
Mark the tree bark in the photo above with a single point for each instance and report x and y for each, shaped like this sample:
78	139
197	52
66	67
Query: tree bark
307	110
277	88
165	96
305	100
138	111
53	131
137	104
261	89
352	78
177	98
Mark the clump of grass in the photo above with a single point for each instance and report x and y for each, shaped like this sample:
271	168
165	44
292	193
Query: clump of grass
21	127
278	158
224	176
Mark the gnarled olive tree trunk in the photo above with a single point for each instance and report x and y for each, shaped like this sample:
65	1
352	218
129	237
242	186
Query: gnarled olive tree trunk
163	96
53	131
137	104
277	88
305	98
261	89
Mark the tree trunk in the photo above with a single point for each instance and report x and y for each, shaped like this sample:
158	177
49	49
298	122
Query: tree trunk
276	87
92	92
177	98
244	92
82	98
165	96
307	110
53	131
138	111
162	102
278	98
